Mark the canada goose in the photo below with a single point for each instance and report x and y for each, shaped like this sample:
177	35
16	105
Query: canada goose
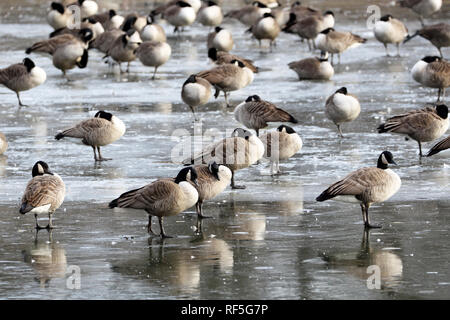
153	54
135	22
96	132
390	30
308	27
210	15
220	39
333	42
162	198
437	34
87	7
196	91
22	76
104	17
221	57
312	69
179	15
438	147
89	23
421	125
228	77
266	27
255	113
367	186
124	47
248	15
433	72
67	50
104	41
342	107
424	8
153	31
212	179
303	11
280	145
269	3
3	143
58	17
43	194
239	151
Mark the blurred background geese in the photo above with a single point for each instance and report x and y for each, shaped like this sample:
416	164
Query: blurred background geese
221	57
153	31
255	113
423	125
342	107
3	143
266	28
424	8
312	69
433	72
212	179
58	17
67	50
367	186
438	34
124	47
239	151
280	144
162	198
22	76
249	14
96	132
153	54
180	15
195	92
438	147
210	14
220	39
390	30
43	194
336	42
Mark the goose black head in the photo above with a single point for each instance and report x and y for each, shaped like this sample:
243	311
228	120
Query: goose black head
329	12
442	111
268	15
292	19
430	59
192	79
183	4
213	167
239	132
385	159
29	64
129	23
253	98
112	13
342	90
90	20
327	30
238	63
104	115
259	4
288	129
150	19
212	54
40	168
218	29
58	7
80	2
211	3
86	34
186	174
322	59
386	18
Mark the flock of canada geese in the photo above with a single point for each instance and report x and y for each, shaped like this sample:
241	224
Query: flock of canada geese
123	39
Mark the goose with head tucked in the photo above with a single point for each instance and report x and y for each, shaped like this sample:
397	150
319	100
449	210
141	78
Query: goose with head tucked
153	54
222	57
180	15
162	198
195	92
220	39
96	132
433	72
249	14
366	186
210	14
43	194
280	144
424	8
312	69
58	17
22	76
423	125
438	34
255	113
153	31
123	49
266	28
342	107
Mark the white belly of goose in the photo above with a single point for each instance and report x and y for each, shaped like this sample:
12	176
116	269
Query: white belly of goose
428	7
211	16
346	108
185	17
195	94
152	33
223	41
418	70
384	32
326	70
37	76
57	20
41	210
190	195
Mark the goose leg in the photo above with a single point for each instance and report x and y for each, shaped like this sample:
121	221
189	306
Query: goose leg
128	67
20	102
367	221
440	52
193	112
386	48
50	225
398	49
163	234
233	185
340	131
95	154
154	73
226	98
271	168
420	149
149	225
100	158
38	227
199	207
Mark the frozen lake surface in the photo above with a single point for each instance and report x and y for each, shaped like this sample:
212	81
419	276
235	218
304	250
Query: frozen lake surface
269	241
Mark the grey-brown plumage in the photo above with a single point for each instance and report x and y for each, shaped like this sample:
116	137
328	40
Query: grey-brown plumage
367	186
153	54
424	8
124	47
221	57
22	76
87	23
266	27
440	146
162	198
312	69
438	34
43	194
336	42
3	143
104	41
421	125
220	39
96	132
248	15
255	113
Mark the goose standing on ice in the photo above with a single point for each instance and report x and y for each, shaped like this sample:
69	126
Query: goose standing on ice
390	30
195	92
342	107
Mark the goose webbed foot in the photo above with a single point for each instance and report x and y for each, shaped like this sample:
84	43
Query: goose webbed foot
372	226
238	187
